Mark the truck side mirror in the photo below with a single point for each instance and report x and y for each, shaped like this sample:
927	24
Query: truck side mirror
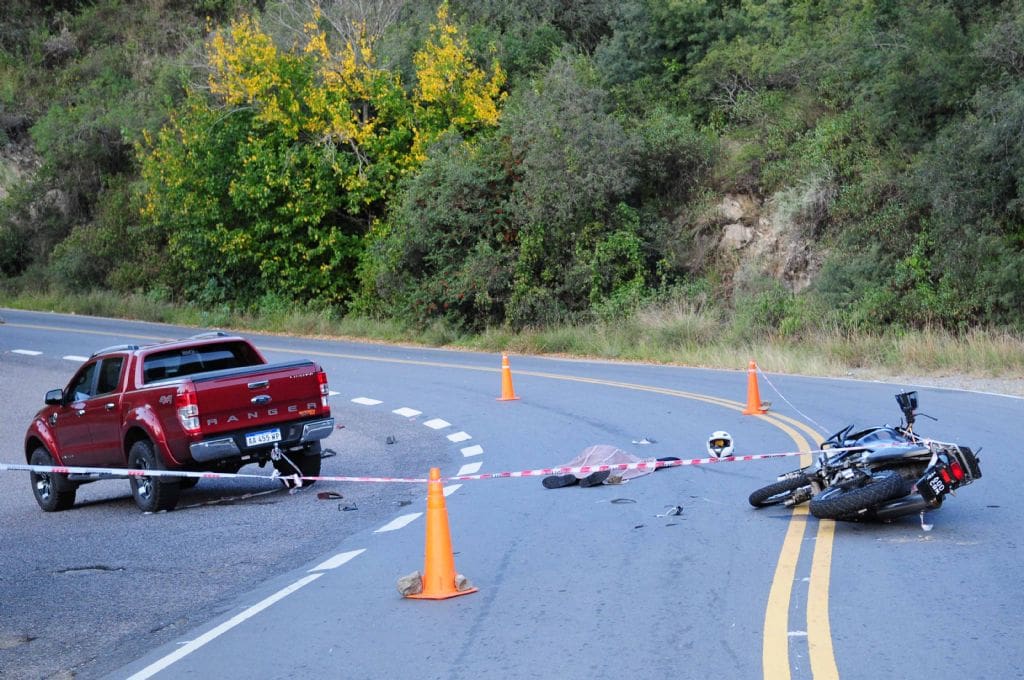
54	397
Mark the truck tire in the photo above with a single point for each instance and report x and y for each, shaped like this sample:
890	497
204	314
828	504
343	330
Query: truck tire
151	494
848	504
776	493
308	461
53	492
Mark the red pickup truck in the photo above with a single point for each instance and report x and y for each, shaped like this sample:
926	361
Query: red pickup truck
210	403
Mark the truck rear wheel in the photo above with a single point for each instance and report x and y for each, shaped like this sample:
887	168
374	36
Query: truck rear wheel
151	494
53	492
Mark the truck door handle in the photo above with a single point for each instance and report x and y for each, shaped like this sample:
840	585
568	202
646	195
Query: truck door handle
259	384
80	412
110	407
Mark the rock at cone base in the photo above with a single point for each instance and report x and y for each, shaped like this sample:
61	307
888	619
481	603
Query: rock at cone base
411	584
462	583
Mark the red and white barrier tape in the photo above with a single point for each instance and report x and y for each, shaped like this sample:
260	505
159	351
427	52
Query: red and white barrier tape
126	472
649	465
539	472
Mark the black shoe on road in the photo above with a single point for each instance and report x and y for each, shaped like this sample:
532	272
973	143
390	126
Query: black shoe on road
595	478
558	481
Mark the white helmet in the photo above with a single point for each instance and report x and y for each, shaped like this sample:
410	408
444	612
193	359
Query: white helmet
720	444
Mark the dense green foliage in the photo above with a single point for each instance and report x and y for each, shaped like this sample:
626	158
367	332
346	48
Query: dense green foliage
521	163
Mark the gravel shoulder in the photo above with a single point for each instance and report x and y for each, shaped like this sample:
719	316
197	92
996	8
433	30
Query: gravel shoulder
1011	386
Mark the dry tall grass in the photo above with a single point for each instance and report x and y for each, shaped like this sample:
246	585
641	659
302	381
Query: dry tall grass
678	332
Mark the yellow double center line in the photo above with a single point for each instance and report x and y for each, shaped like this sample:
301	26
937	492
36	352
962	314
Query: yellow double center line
775	650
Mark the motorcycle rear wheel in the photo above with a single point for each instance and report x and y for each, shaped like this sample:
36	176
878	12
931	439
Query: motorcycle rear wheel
848	504
776	493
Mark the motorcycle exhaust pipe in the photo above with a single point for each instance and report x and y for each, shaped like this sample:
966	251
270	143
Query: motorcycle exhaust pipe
908	505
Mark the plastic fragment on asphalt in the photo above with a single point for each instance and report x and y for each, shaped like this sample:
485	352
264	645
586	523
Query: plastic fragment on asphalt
925	526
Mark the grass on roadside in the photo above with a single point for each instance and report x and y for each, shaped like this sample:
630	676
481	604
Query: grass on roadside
669	333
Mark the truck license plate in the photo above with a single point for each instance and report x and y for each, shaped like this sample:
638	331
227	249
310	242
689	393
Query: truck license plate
265	437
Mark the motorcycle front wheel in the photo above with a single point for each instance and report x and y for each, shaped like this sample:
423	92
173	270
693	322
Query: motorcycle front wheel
846	504
776	493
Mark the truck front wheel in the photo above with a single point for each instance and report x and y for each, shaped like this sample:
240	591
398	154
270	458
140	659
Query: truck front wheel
151	494
53	492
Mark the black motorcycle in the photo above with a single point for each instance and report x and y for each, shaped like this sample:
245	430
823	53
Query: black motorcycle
878	473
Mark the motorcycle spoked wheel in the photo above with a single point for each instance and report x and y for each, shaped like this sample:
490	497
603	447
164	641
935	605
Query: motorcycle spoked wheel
850	504
776	493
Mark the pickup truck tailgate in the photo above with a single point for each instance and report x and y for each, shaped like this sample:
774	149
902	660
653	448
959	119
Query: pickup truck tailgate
258	397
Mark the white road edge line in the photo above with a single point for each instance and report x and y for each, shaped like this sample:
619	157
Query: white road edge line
474	450
398	522
337	560
437	424
157	666
26	352
458	437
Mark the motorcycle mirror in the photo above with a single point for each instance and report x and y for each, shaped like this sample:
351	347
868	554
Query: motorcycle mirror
907	401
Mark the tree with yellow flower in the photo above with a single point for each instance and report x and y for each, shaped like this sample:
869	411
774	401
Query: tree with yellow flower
267	184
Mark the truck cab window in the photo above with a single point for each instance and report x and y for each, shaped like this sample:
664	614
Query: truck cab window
110	375
83	385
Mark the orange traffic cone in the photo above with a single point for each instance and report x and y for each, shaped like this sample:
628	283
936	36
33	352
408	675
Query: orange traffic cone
439	578
753	394
508	393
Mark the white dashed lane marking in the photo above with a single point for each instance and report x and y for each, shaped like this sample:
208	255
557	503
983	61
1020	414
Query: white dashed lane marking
407	412
399	522
450	489
337	560
366	401
474	450
74	357
26	352
469	468
437	424
458	437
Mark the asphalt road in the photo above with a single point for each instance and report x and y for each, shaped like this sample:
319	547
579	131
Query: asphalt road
573	582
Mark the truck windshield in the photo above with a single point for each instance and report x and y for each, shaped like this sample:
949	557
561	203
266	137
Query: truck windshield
176	363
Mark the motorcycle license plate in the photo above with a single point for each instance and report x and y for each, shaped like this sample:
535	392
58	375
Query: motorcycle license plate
264	437
932	486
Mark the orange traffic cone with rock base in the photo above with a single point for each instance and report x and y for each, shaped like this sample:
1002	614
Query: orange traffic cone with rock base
439	578
754	406
507	391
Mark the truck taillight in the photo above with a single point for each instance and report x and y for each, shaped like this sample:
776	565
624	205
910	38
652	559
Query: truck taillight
188	409
325	391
